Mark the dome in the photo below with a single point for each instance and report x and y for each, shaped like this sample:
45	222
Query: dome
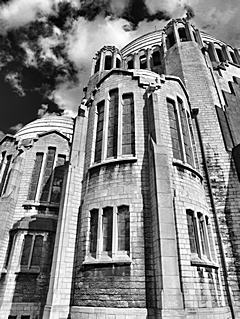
147	40
63	124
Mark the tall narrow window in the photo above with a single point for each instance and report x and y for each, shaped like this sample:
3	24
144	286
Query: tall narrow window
108	62
118	63
112	124
107	224
46	184
35	176
170	40
93	231
5	175
186	133
97	65
32	250
143	61
99	134
58	179
9	249
192	232
128	130
2	160
220	55
27	251
130	64
233	57
182	34
174	130
156	59
203	235
37	250
123	222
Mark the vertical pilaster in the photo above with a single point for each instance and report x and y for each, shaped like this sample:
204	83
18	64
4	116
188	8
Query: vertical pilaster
58	299
169	298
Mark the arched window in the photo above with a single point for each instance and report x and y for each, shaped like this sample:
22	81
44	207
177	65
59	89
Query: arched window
118	63
156	58
97	65
108	62
182	34
220	55
130	64
143	61
170	40
233	57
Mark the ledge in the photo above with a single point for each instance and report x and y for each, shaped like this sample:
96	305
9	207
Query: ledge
121	260
188	168
118	160
203	263
29	204
31	270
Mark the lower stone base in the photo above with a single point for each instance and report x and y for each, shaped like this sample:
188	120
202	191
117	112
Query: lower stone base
20	309
55	312
107	313
211	313
138	313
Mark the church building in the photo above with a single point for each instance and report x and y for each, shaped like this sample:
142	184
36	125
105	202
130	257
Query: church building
131	210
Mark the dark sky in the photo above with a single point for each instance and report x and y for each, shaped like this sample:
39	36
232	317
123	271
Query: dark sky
46	46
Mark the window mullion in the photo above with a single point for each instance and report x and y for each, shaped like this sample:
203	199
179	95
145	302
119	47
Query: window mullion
31	252
99	234
115	232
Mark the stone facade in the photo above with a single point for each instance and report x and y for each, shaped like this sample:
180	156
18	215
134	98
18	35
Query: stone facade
147	224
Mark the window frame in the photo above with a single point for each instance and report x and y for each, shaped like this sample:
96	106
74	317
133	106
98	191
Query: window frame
203	236
118	155
40	186
5	171
29	266
99	254
176	101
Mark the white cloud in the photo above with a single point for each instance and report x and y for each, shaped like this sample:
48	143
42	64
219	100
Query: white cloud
30	55
13	79
86	37
68	97
16	128
47	45
20	12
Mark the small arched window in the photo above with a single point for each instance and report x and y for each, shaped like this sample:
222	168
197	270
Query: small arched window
170	40
220	55
156	58
182	34
233	57
118	63
97	65
108	62
143	61
130	64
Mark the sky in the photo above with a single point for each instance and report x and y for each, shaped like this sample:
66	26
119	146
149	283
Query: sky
47	46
